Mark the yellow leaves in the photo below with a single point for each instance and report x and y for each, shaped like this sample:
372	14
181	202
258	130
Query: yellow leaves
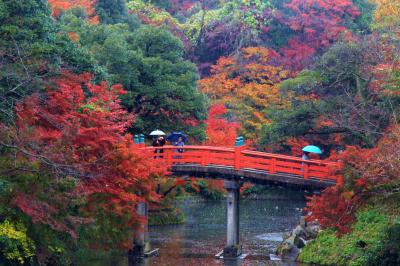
219	87
18	246
284	74
387	12
261	54
247	84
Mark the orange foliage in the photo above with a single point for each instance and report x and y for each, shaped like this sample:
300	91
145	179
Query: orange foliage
73	36
247	84
61	5
387	13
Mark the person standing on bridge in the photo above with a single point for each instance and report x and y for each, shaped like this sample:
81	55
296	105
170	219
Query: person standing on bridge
158	142
305	156
179	143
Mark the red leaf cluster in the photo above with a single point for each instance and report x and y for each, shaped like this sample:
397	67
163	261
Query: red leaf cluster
367	170
78	130
316	23
62	5
220	132
332	209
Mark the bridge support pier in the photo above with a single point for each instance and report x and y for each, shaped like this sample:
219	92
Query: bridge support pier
233	249
141	241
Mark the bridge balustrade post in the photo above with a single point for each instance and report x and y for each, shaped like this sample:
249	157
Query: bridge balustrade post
233	248
272	169
205	158
305	170
168	157
237	159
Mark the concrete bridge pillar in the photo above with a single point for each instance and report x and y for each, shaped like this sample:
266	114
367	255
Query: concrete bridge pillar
141	238
233	248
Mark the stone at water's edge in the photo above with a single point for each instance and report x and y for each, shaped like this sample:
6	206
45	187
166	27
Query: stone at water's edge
293	241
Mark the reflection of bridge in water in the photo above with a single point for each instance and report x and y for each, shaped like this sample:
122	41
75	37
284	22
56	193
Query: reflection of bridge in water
236	165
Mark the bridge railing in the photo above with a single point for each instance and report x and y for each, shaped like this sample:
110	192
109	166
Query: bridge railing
241	159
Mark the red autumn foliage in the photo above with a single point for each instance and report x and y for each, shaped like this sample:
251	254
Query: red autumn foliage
316	23
366	170
220	132
296	144
177	6
83	135
332	209
58	6
41	212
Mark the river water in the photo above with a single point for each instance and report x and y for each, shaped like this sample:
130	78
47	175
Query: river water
262	223
203	235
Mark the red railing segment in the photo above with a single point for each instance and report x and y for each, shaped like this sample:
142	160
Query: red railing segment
238	158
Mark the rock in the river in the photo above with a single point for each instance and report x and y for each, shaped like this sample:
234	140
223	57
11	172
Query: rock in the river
298	238
303	222
312	230
286	235
286	246
299	242
299	231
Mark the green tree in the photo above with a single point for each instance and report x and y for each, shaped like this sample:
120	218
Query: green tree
149	64
341	95
26	45
31	51
166	95
115	11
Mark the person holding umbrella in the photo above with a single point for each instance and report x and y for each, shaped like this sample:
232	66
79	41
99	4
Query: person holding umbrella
179	143
158	141
309	149
177	139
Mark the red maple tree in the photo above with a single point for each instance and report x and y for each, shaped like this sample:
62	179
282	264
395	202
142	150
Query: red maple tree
78	130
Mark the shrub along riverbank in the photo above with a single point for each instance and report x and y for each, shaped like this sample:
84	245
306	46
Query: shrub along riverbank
374	239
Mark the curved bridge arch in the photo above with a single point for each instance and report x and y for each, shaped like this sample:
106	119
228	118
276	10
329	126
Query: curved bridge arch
237	163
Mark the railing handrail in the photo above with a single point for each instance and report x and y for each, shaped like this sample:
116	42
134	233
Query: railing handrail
245	152
239	158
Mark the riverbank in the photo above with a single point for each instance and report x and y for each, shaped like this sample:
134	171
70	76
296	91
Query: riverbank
373	240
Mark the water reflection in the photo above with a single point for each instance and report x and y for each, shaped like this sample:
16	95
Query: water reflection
203	235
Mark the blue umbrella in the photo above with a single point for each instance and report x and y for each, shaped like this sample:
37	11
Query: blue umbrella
175	136
312	149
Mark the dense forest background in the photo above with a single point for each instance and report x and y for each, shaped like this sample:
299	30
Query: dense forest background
78	77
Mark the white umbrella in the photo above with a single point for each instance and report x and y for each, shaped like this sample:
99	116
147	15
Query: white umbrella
157	133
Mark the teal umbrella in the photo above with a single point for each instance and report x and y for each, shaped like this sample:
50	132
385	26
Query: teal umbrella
312	149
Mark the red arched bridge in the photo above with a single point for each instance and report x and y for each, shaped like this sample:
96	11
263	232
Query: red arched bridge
237	163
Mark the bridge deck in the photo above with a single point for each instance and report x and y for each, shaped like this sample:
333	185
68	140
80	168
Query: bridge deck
246	165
